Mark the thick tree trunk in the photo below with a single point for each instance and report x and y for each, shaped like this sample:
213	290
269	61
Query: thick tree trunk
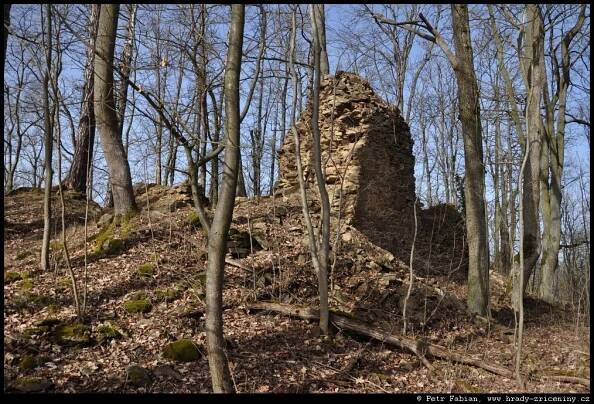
474	180
77	177
105	112
217	239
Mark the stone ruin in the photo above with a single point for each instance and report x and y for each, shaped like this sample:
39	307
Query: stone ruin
369	166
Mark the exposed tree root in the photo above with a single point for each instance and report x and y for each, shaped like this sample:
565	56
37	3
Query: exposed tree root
419	347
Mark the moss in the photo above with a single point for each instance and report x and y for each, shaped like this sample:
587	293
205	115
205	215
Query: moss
138	376
146	269
37	330
53	308
126	226
26	284
56	245
28	384
193	219
183	350
28	362
168	294
110	247
12	276
110	330
138	303
73	335
104	235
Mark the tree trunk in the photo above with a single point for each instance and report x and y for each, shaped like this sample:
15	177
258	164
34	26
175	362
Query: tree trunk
217	239
7	7
48	144
320	19
320	178
533	57
126	64
474	180
105	112
77	177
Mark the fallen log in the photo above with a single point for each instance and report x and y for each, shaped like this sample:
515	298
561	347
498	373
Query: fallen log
419	347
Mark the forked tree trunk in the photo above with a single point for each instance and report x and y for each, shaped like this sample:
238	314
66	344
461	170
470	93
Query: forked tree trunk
217	238
105	112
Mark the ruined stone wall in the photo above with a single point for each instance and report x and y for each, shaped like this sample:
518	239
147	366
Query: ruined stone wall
368	161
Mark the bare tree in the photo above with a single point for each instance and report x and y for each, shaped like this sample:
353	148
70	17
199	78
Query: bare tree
48	141
553	157
217	239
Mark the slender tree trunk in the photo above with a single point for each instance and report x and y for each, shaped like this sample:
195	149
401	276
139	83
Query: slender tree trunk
77	177
217	239
48	144
474	180
320	179
127	53
113	149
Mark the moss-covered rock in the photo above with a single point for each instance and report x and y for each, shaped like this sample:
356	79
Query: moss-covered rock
138	303
193	219
12	276
138	376
183	350
110	330
73	335
28	362
29	384
168	294
112	246
147	269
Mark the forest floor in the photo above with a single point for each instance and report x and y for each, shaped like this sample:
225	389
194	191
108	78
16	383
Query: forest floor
162	254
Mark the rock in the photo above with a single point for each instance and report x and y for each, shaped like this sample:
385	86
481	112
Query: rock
138	376
73	335
104	220
347	237
29	384
183	350
167	372
112	246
